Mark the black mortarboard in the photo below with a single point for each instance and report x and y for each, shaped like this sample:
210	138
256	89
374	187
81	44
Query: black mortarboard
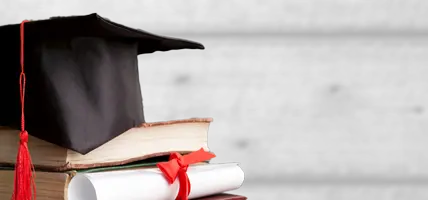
82	86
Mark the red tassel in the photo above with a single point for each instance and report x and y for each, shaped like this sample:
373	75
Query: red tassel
24	186
23	172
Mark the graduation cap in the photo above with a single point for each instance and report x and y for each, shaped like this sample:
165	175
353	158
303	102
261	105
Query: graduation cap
80	84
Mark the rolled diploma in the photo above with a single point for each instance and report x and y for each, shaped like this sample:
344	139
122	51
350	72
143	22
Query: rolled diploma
150	184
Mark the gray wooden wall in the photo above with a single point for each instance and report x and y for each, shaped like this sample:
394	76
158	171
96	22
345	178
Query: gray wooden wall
317	99
236	16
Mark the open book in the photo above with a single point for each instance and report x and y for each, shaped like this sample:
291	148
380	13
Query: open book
139	143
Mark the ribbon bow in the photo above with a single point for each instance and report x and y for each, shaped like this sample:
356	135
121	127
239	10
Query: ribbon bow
177	166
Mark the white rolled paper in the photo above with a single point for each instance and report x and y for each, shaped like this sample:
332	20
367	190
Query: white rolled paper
150	184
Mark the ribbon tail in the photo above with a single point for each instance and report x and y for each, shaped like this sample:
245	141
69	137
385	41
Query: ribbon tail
184	190
198	156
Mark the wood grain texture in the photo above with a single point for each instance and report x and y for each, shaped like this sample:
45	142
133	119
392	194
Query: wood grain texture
231	16
390	192
301	107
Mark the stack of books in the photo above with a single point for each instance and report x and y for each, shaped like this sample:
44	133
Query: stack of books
123	168
88	137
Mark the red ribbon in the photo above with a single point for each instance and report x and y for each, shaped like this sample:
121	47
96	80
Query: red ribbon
177	166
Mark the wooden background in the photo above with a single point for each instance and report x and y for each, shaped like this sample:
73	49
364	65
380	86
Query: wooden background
319	110
317	99
236	16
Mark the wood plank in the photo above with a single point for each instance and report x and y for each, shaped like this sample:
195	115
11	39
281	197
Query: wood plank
301	107
334	192
233	16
